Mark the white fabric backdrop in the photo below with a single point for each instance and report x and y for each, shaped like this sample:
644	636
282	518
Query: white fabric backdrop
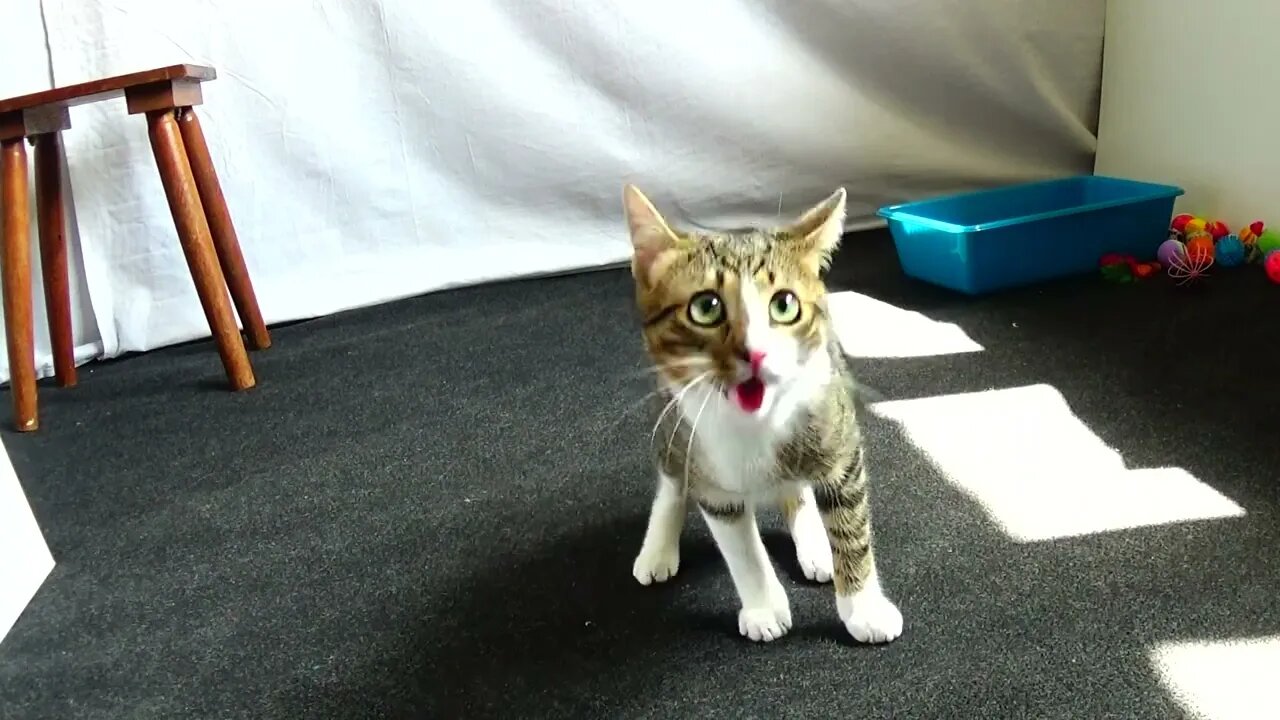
374	149
24	68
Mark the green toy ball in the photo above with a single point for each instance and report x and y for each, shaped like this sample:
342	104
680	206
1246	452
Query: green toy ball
1269	240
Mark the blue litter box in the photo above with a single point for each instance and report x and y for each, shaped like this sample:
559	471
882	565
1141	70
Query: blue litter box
990	240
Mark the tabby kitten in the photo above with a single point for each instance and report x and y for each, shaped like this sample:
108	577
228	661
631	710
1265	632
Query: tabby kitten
756	406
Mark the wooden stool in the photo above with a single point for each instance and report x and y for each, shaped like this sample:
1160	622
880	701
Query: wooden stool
167	97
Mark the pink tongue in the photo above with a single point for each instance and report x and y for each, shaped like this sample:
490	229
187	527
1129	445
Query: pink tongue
750	394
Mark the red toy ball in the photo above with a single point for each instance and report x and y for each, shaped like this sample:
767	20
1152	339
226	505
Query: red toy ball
1272	266
1180	221
1218	229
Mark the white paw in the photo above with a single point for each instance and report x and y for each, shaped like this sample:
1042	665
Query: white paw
764	624
656	564
814	556
768	622
870	617
813	548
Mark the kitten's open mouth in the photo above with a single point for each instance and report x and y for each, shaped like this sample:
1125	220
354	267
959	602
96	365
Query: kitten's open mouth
750	394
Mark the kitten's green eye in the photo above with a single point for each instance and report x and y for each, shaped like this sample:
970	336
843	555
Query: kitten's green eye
784	307
706	309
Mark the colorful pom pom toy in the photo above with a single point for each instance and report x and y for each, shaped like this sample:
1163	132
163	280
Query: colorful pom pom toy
1170	251
1251	252
1268	240
1249	235
1126	268
1180	222
1229	252
1200	236
1190	262
1200	248
1194	244
1272	266
1217	229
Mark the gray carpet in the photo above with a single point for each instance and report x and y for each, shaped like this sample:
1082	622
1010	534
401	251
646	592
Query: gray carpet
430	509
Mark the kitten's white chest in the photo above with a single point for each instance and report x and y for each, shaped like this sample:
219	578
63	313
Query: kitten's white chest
738	453
739	463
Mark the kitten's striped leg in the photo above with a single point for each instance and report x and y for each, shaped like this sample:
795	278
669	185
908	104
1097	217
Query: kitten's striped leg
868	615
659	557
766	612
804	522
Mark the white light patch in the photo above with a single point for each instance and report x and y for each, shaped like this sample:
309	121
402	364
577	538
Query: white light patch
25	560
1217	680
869	328
1040	472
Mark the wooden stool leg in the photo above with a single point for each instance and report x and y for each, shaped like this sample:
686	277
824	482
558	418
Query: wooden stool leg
16	272
53	255
225	241
197	245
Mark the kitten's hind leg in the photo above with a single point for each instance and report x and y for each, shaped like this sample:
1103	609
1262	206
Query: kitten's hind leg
804	522
766	613
868	615
659	557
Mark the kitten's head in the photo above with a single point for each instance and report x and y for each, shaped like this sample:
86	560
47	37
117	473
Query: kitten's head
743	311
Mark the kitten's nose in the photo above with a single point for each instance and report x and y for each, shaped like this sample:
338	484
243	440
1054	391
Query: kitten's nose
756	358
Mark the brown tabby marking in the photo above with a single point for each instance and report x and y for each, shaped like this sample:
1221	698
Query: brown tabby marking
772	260
670	268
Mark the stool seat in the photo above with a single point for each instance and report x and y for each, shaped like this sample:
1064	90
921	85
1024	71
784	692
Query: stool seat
167	97
107	88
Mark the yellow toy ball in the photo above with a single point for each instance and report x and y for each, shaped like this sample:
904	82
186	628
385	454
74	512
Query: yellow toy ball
1194	226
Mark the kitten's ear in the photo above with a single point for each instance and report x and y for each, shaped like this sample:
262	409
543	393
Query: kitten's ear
817	232
650	234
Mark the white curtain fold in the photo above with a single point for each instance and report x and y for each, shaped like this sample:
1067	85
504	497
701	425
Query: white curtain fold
375	149
25	68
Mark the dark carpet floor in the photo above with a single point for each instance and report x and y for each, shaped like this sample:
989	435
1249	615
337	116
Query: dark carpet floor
430	509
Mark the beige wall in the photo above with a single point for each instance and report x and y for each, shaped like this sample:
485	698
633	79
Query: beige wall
1191	96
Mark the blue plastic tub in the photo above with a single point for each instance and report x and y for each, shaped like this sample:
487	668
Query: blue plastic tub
990	240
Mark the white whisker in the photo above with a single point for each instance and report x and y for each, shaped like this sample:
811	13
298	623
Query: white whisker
675	399
679	364
688	451
691	365
675	429
687	364
633	406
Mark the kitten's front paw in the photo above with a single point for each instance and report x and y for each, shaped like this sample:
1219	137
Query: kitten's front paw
809	533
813	553
870	617
764	624
656	564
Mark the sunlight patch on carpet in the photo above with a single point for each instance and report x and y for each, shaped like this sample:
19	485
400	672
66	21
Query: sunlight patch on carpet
870	328
1217	680
1040	472
25	559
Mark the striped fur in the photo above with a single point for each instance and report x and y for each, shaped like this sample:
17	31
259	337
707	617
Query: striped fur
824	452
804	447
